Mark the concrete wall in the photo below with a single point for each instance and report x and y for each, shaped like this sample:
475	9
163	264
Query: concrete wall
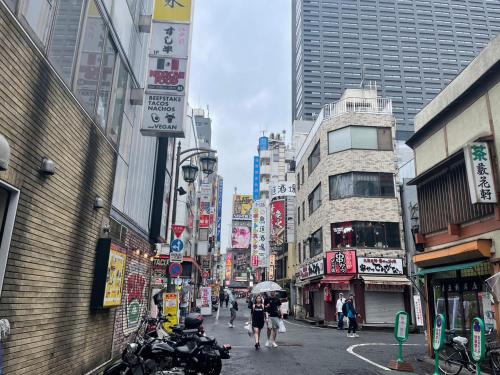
50	267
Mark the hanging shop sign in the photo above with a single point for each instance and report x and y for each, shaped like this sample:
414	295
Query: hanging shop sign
204	221
380	266
167	76
419	315
109	275
206	193
220	189
480	173
172	10
170	310
341	262
272	266
169	40
278	224
263	144
242	207
229	266
290	210
256	178
313	269
282	189
163	113
259	234
206	300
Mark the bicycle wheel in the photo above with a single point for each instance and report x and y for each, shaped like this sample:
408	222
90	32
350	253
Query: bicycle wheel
495	362
451	364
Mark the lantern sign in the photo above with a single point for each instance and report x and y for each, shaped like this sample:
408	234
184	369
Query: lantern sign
478	343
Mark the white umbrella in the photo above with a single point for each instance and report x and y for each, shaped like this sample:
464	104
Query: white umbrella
266	286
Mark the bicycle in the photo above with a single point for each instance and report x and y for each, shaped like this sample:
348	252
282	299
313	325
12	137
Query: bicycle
453	361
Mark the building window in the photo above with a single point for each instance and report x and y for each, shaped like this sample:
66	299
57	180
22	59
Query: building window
360	137
38	14
299	252
302	175
361	184
313	159
365	234
303	211
118	103
298	215
298	181
65	37
314	199
316	243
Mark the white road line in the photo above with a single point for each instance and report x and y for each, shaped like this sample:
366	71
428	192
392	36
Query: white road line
301	325
352	347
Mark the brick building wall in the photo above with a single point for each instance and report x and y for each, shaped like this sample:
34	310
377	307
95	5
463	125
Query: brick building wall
48	281
136	293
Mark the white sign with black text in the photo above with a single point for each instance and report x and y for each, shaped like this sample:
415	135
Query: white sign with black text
480	173
163	113
282	189
380	266
169	39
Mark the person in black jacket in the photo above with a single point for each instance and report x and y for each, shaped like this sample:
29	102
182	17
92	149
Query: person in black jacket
233	309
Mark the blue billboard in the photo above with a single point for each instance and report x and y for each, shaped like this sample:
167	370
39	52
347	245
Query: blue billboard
263	143
256	178
220	188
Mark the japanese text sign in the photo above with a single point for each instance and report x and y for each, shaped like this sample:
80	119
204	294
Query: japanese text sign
278	224
401	326
259	234
172	10
480	173
478	340
439	332
169	40
242	207
384	266
167	75
341	262
256	177
282	189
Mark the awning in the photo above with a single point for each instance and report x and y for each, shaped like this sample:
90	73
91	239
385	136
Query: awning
338	282
386	280
470	251
452	267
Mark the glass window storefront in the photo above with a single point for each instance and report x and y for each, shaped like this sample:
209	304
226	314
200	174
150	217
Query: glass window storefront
461	296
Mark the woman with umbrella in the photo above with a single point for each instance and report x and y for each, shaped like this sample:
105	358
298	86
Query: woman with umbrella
272	307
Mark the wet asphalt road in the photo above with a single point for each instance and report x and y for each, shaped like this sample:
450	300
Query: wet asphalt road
311	350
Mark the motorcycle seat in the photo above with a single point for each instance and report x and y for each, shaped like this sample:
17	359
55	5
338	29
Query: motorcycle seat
161	347
185	350
460	340
206	340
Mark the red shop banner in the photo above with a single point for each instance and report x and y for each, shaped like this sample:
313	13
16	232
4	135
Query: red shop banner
278	224
341	262
204	221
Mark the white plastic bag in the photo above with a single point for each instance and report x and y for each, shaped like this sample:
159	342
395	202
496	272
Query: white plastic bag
281	326
249	329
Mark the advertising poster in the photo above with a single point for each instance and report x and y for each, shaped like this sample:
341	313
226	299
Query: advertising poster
229	265
170	310
242	207
240	237
172	10
259	234
135	288
241	262
204	221
278	224
114	277
206	300
341	262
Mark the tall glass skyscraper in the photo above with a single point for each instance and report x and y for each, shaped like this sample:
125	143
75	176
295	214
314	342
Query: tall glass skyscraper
410	49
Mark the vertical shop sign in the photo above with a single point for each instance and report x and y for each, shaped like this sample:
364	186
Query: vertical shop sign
259	234
256	178
278	222
170	310
480	173
229	266
419	315
341	262
219	208
272	266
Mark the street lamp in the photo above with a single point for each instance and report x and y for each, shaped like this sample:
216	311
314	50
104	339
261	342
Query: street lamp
189	172
208	163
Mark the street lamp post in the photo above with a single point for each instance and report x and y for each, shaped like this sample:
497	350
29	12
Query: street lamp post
190	171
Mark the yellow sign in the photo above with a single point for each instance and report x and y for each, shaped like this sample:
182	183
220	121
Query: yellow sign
170	310
242	206
172	10
114	278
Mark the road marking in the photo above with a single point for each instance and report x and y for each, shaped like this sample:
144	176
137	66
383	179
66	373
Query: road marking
301	325
352	347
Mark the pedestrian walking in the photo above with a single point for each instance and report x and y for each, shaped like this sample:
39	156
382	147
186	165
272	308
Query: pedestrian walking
352	316
274	315
340	315
258	317
222	298
227	299
233	309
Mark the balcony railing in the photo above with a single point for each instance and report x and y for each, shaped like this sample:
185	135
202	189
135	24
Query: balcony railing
359	105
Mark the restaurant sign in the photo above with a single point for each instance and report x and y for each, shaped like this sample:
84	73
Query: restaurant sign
313	269
380	266
479	173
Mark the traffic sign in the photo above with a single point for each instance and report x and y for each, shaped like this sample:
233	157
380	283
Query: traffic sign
205	274
178	230
177	246
175	257
175	269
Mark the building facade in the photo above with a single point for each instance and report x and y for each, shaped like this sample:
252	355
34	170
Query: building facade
456	148
411	49
349	228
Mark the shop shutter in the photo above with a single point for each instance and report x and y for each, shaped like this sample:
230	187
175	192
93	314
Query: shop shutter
381	307
319	305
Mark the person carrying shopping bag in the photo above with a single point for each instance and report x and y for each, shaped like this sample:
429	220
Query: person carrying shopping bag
258	318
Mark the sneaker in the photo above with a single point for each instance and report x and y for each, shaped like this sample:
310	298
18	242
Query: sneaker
268	344
349	335
355	335
275	345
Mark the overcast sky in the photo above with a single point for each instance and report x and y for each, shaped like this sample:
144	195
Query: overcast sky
240	68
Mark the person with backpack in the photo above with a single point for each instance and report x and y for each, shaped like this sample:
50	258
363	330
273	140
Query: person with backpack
352	316
233	309
340	311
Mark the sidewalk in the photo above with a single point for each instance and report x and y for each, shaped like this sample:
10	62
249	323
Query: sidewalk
333	324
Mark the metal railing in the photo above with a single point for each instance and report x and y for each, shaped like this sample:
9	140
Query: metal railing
359	105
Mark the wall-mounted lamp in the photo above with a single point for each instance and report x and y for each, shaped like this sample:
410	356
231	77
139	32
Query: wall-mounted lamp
4	153
146	255
137	251
98	203
48	167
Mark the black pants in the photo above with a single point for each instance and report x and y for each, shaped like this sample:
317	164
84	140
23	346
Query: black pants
353	325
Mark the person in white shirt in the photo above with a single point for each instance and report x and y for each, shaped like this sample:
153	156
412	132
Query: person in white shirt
340	315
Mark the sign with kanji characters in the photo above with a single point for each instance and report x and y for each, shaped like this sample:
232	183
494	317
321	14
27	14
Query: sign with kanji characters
439	332
478	340
259	239
401	326
312	269
172	10
282	189
242	207
419	315
278	224
206	193
167	75
204	221
220	189
272	266
341	262
256	177
380	266
169	40
480	173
